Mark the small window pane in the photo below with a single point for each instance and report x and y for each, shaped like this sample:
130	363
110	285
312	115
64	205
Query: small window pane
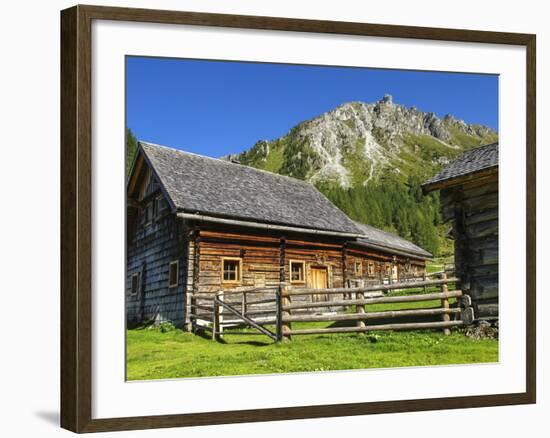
173	274
296	271
148	215
231	270
135	284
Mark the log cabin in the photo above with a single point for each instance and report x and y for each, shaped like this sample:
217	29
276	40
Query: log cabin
199	225
469	202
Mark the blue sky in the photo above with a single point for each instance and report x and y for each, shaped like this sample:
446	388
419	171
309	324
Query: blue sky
216	107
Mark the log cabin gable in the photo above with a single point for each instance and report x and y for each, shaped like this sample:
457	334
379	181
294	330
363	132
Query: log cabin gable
147	201
144	183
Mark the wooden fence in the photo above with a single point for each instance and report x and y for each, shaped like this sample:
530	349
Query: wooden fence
283	306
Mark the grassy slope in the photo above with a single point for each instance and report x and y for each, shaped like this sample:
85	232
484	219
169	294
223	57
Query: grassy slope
156	355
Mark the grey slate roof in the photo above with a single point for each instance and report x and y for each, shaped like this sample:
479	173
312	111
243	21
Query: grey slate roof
208	186
375	237
471	161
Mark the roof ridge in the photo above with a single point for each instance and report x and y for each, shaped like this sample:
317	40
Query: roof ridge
478	148
227	163
418	249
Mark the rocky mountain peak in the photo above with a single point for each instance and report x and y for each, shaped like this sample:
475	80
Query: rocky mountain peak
358	142
387	99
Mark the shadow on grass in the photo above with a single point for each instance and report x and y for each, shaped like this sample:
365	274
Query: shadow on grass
394	320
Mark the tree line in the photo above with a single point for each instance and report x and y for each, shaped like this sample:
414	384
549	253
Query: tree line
395	206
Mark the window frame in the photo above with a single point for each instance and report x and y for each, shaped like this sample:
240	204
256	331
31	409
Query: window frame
147	220
156	207
371	269
388	269
177	264
137	276
297	262
360	270
239	260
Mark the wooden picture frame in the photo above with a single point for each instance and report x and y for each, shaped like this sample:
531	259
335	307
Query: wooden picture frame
76	217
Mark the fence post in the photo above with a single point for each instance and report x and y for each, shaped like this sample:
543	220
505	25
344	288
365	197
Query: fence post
285	301
279	313
243	305
425	277
217	329
215	317
192	311
445	303
360	309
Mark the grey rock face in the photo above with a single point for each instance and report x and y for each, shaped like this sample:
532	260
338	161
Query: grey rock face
374	133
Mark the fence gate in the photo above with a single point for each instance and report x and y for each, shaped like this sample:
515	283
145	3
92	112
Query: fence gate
218	323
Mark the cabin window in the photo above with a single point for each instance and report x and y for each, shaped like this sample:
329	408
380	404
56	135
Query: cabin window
157	207
231	270
173	274
358	268
297	270
134	286
155	212
388	269
148	214
370	268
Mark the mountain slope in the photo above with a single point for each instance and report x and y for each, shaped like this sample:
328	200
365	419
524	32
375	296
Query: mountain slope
370	159
359	142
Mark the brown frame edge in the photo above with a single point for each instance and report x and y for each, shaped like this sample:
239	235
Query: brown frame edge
76	165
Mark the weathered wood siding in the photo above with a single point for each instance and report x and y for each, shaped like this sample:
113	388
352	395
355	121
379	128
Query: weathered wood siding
472	208
265	259
151	246
407	268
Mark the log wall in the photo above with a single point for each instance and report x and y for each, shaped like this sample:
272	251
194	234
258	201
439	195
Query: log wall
265	259
472	209
407	268
150	249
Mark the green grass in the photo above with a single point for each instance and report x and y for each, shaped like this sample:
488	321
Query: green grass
469	141
175	354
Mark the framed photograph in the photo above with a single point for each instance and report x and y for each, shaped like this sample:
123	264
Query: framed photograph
269	218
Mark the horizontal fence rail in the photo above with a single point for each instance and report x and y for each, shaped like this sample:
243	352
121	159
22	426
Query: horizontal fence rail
272	311
411	326
379	287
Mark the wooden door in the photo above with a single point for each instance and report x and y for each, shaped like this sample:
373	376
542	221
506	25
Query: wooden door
394	273
319	280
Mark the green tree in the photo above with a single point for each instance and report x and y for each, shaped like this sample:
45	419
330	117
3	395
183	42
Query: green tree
394	206
131	147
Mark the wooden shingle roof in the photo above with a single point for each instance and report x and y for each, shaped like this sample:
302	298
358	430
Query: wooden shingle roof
375	238
207	186
479	160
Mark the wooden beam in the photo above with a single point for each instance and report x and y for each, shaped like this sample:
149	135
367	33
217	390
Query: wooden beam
372	315
282	259
378	287
370	328
445	304
360	301
460	179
